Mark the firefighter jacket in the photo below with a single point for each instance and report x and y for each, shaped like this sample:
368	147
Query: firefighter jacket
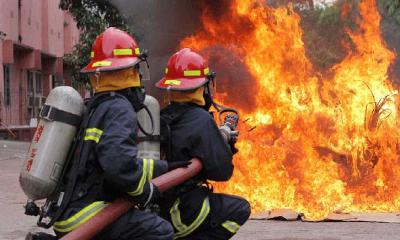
108	166
194	133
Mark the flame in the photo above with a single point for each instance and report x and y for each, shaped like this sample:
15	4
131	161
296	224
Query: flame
317	144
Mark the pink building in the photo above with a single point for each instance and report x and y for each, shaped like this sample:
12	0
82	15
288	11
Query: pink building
34	36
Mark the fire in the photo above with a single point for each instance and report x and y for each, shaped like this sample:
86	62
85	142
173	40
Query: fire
317	144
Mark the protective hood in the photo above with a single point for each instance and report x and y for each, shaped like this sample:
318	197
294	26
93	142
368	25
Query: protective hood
195	96
116	80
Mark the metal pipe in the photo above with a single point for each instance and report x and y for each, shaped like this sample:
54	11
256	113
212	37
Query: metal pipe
120	206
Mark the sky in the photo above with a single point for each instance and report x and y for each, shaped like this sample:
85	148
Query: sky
323	1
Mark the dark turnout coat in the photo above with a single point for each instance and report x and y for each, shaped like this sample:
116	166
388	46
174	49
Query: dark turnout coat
194	133
193	209
108	163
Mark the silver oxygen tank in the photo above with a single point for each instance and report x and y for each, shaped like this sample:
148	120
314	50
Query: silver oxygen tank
149	146
58	123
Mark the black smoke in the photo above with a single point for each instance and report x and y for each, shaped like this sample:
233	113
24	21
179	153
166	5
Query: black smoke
160	26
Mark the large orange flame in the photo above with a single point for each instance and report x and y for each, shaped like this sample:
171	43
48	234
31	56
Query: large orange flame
321	144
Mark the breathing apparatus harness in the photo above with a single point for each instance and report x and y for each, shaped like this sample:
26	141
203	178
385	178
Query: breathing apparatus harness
56	204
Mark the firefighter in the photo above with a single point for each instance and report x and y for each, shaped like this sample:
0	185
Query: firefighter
193	209
107	155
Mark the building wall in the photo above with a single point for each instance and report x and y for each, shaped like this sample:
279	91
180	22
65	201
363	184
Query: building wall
55	32
9	18
31	23
71	34
38	36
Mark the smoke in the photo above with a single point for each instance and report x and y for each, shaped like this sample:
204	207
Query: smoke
159	26
391	34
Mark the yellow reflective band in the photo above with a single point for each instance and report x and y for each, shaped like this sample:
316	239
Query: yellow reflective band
176	217
182	229
231	226
137	51
192	73
123	52
80	217
92	138
173	82
206	71
92	54
166	70
151	169
102	64
139	189
93	134
94	130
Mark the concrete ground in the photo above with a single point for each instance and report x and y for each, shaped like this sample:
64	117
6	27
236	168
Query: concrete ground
14	224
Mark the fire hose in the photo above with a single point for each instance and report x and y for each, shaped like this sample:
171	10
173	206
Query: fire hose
112	212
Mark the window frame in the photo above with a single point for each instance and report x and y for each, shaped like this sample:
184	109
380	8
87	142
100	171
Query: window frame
7	85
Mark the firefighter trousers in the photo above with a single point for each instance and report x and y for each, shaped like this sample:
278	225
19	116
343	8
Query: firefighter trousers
203	215
137	224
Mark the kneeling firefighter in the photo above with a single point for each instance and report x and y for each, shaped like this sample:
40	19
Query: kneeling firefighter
190	131
107	152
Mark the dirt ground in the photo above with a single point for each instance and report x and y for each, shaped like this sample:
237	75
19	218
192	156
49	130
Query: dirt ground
14	224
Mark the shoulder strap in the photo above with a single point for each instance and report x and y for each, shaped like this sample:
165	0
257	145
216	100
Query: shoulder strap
167	119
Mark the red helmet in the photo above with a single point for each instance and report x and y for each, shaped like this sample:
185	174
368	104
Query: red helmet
113	50
186	70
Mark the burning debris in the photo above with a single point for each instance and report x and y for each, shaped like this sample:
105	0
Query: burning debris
373	120
321	145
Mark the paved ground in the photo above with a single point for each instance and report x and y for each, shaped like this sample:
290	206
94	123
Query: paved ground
14	224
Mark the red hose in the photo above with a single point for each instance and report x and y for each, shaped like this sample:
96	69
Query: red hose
112	212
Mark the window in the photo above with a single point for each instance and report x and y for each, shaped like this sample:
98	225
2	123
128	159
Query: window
7	90
30	83
39	83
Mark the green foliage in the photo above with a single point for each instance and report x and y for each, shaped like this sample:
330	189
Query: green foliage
92	18
391	8
324	33
328	15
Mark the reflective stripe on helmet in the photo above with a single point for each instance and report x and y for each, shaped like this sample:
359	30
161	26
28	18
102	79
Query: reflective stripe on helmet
125	52
231	226
182	229
137	51
102	64
91	54
192	73
80	217
173	82
166	70
93	134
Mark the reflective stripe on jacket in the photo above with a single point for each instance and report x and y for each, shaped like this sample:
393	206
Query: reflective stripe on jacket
80	217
